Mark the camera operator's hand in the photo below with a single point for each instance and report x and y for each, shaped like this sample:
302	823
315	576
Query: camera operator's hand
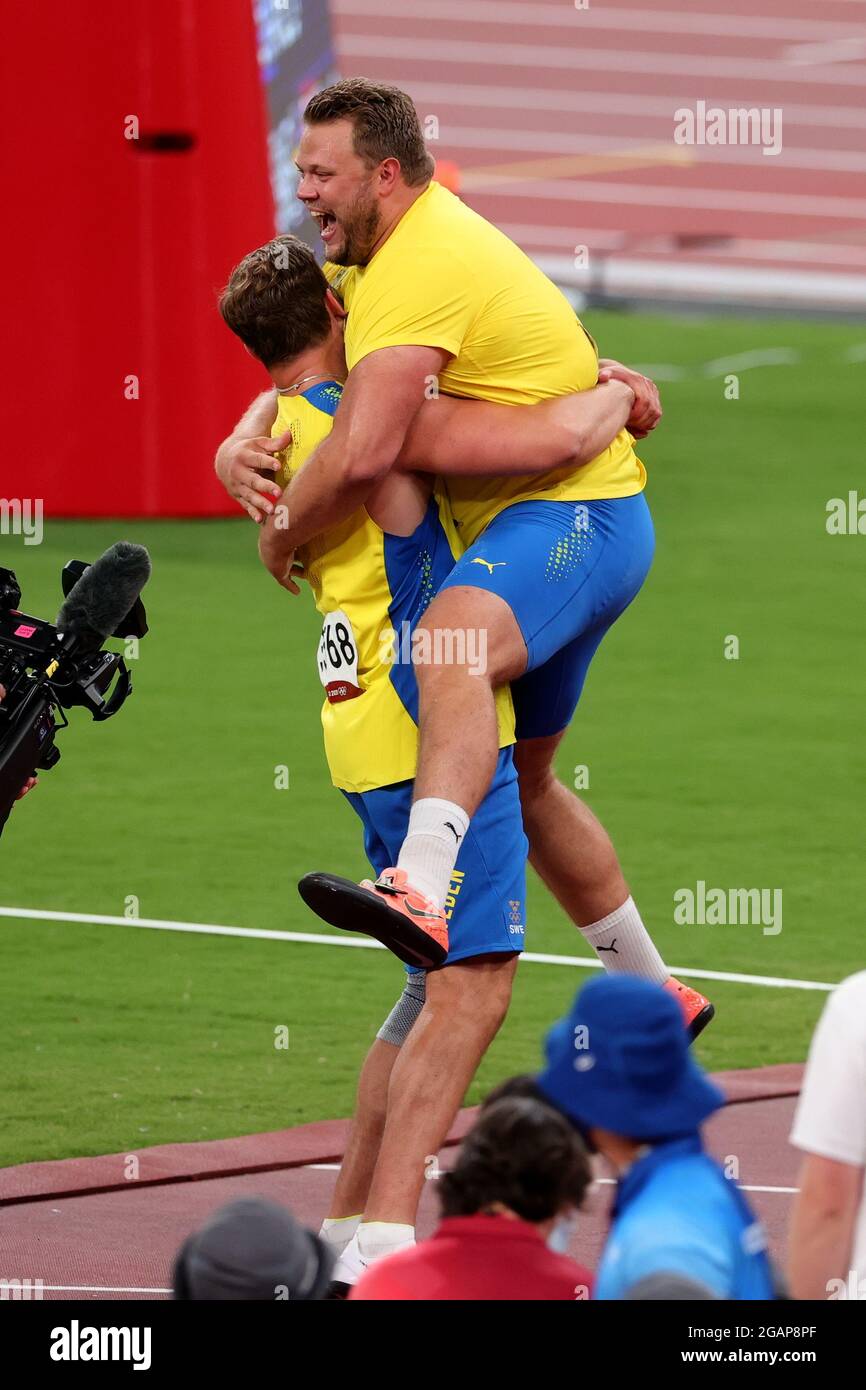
31	781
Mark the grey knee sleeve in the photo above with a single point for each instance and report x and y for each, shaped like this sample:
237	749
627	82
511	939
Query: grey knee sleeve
398	1024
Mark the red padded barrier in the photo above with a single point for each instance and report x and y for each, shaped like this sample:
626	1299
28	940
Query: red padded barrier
114	249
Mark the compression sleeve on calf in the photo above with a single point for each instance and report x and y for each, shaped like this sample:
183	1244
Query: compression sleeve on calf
398	1024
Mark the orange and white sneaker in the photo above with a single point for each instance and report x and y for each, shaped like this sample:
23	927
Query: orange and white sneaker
697	1009
391	910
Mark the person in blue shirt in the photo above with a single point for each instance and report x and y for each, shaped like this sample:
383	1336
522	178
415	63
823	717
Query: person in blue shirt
619	1066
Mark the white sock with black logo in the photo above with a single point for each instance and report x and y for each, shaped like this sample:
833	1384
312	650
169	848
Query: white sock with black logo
623	944
429	851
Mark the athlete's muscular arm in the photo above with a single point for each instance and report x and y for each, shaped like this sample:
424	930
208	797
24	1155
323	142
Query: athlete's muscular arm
248	449
466	438
380	399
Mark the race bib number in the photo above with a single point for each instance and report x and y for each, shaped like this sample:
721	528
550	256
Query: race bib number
338	658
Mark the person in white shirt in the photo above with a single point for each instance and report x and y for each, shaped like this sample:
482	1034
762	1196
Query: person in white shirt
827	1248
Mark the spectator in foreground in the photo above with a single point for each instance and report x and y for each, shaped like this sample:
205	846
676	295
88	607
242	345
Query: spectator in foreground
253	1249
619	1067
520	1170
827	1249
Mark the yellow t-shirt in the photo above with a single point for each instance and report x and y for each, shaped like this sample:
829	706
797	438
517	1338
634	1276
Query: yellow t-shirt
447	278
370	587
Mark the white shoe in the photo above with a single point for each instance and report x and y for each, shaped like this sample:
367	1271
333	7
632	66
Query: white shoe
351	1264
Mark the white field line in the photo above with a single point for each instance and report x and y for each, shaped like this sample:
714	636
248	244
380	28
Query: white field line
513	99
542	16
721	366
571	58
757	357
364	943
597	1182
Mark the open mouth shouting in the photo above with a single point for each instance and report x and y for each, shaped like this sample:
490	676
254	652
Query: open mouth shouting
327	224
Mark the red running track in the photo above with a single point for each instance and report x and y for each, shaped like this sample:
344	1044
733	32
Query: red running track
88	1231
562	120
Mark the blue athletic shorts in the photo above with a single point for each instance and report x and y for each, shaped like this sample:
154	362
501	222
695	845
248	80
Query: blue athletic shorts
486	907
567	570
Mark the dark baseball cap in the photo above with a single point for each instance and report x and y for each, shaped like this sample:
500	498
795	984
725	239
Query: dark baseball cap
253	1249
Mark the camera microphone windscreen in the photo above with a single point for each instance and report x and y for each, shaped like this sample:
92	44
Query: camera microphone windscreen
100	600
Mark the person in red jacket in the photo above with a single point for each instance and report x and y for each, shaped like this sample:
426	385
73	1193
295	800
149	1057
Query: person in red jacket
521	1173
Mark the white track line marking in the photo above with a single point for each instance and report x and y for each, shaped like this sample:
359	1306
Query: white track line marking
513	99
597	1182
848	50
629	275
742	249
97	1288
596	60
363	943
665	196
581	145
632	20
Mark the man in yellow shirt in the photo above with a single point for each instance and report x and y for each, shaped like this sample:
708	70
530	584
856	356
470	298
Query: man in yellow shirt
439	299
372	576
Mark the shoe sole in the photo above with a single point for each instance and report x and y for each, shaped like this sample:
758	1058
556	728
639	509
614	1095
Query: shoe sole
349	907
700	1021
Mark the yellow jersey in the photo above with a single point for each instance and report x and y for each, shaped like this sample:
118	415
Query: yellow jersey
371	588
447	278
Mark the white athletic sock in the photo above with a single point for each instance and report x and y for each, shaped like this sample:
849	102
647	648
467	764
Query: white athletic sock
379	1238
623	944
337	1231
429	851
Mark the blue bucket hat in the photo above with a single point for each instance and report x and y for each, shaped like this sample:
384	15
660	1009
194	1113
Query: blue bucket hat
620	1061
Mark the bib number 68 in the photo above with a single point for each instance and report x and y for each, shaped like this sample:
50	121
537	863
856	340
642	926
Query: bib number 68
338	657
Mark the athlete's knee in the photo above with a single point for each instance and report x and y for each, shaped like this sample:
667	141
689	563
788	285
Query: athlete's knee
536	773
442	662
448	655
498	993
470	632
478	989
